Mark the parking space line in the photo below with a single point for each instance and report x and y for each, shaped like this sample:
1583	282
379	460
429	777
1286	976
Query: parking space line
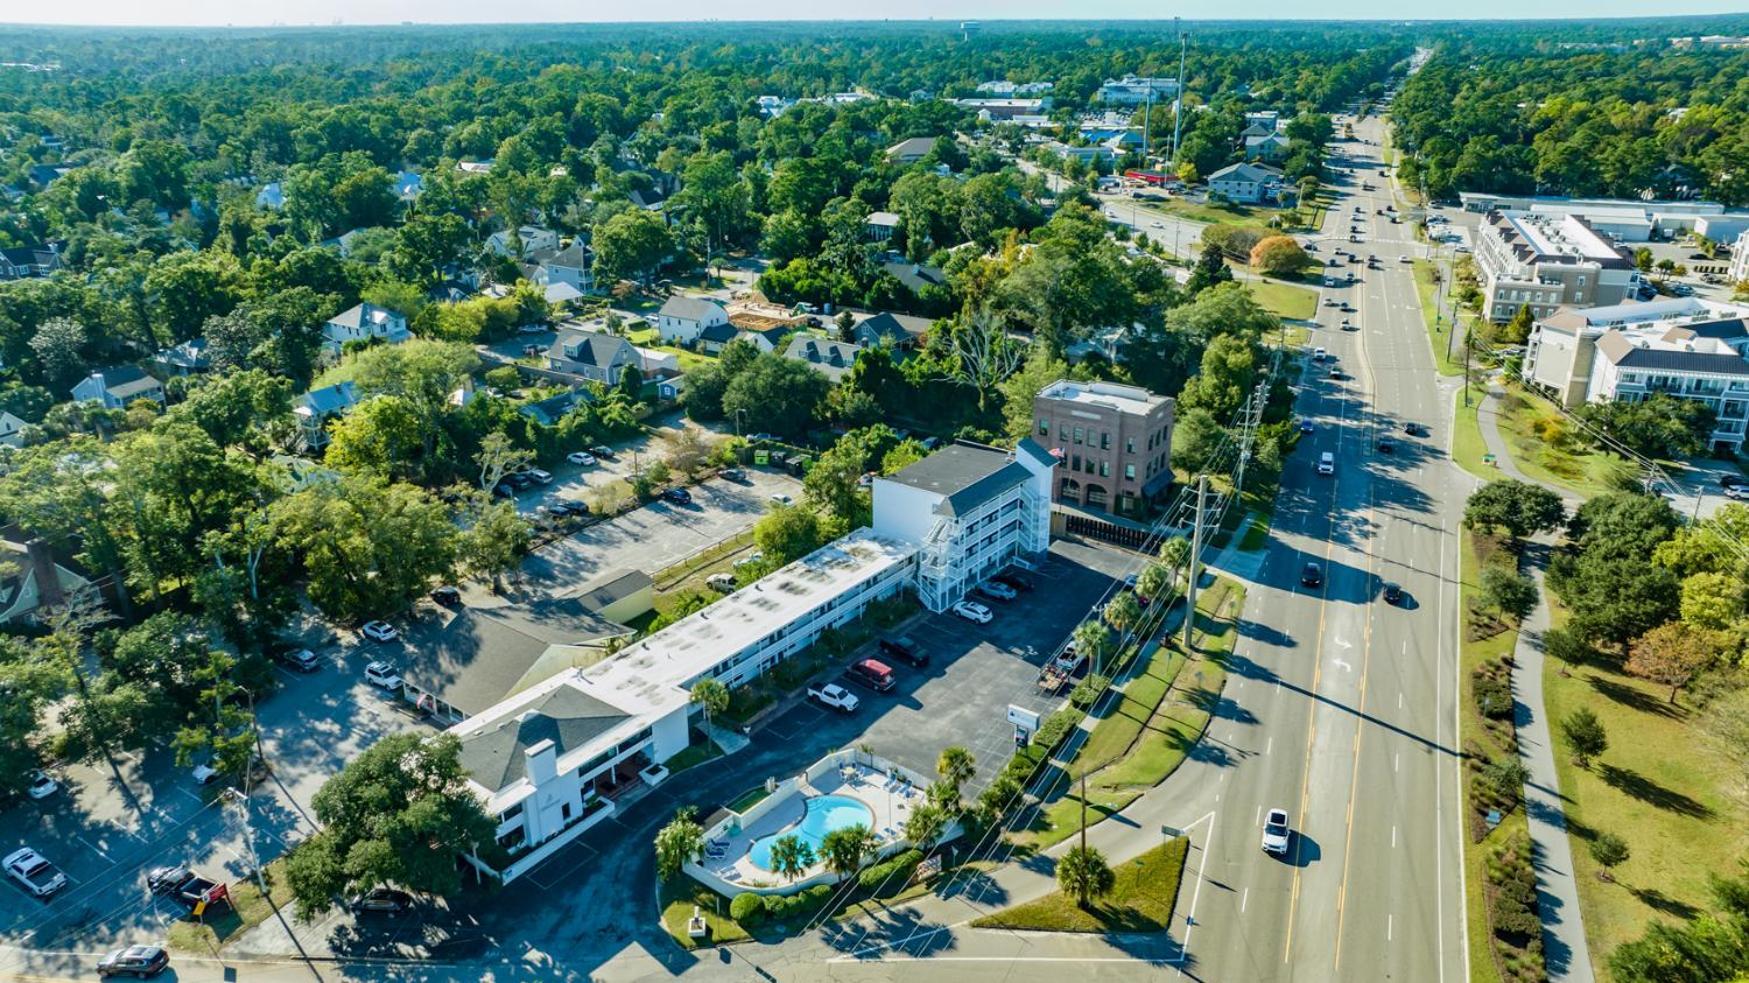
94	847
196	798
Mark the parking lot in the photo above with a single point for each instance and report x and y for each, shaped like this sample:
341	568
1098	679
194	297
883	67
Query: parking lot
113	820
655	535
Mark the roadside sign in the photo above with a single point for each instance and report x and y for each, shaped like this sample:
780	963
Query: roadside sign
1023	718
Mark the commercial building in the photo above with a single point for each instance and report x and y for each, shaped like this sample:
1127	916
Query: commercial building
1545	261
968	511
1738	271
1246	182
1688	348
1005	109
1623	219
1133	90
550	760
1113	443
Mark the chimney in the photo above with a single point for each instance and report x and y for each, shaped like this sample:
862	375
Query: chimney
540	760
41	559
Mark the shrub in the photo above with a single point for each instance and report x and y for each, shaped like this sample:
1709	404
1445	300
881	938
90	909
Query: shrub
889	877
1087	692
747	908
1492	692
1056	727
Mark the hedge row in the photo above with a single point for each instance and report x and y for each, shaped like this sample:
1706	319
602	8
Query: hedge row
888	878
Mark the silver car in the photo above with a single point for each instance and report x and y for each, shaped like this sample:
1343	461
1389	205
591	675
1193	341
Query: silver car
1276	832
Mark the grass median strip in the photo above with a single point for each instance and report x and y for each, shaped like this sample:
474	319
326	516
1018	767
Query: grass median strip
1141	900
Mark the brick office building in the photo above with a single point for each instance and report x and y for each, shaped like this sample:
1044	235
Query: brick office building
1113	443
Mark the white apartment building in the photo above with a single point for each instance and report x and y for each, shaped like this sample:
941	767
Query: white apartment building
1547	261
1738	271
549	761
1688	348
969	511
1132	90
1624	219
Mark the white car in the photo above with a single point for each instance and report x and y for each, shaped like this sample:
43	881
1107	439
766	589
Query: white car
379	631
204	773
782	499
583	458
1318	354
41	784
1276	832
544	477
973	611
1739	492
39	877
383	675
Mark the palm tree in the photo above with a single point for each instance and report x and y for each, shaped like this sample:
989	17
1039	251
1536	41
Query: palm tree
1090	639
1152	581
791	856
924	826
1175	552
680	841
956	766
846	850
1084	875
1122	612
713	696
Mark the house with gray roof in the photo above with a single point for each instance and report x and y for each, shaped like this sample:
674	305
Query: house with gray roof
832	359
591	355
1246	182
184	359
682	318
22	262
362	322
569	265
892	330
548	412
315	408
114	388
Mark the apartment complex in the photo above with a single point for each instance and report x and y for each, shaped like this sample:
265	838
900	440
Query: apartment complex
1546	261
549	760
1113	442
1738	271
1132	90
1623	219
1687	348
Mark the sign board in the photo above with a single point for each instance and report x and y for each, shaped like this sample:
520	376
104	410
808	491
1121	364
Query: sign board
1023	718
762	458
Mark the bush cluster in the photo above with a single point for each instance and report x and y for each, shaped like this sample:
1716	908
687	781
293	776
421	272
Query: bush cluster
889	877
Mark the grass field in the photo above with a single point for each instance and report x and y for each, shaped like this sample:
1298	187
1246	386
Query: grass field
1214	214
1438	327
1546	449
1141	900
1659	788
248	908
677	898
1285	299
1467	445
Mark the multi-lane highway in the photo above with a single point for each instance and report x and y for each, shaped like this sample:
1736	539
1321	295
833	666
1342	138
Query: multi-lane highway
1354	698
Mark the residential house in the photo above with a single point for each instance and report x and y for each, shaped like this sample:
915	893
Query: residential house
590	355
713	339
910	151
1269	147
408	185
1738	272
362	322
315	408
22	262
185	359
1113	443
1248	183
548	412
1687	348
118	386
916	277
531	239
43	175
621	596
271	197
474	166
893	330
11	430
33	578
832	359
682	318
880	226
767	339
569	265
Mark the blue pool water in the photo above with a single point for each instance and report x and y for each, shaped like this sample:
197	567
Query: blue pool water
825	813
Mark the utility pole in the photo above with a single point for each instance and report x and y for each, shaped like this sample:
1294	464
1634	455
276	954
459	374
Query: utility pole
1178	97
1202	490
1469	336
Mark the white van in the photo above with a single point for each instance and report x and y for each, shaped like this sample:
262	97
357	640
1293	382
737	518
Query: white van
1326	463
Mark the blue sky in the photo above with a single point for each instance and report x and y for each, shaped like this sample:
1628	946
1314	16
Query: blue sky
220	12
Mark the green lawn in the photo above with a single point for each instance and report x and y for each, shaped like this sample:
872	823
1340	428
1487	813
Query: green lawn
248	908
677	899
1438	326
696	753
1658	787
1546	448
1114	734
1467	445
1211	213
748	799
344	371
1285	299
1141	900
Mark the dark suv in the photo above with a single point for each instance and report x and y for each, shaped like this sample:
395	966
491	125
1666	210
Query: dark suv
1312	575
905	649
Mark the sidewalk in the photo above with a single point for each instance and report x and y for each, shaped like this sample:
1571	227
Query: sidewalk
1564	952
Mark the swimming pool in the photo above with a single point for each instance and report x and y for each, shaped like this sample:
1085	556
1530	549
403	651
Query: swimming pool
824	814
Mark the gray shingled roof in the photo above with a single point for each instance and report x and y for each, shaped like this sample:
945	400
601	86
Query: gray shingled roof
689	308
566	716
831	358
1624	353
595	348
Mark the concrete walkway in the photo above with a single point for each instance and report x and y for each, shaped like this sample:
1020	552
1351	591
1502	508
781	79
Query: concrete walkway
1564	950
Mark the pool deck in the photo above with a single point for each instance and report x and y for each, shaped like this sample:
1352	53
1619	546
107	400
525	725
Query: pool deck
890	808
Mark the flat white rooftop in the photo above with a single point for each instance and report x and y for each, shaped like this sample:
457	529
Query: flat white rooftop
652	675
1108	395
1550	234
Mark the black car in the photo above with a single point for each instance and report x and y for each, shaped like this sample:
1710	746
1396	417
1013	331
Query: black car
603	452
679	496
447	596
1393	594
163	880
138	961
301	659
904	649
1312	575
733	474
382	900
1386	446
1413	429
1017	579
1732	481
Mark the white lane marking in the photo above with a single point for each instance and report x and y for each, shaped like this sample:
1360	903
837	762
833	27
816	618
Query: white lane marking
94	847
1257	817
1244	899
1390	926
1393	837
1268	747
1190	916
1399	701
1342	665
1344	643
1396	760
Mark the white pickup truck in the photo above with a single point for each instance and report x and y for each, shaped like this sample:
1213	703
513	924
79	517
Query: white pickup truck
834	696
